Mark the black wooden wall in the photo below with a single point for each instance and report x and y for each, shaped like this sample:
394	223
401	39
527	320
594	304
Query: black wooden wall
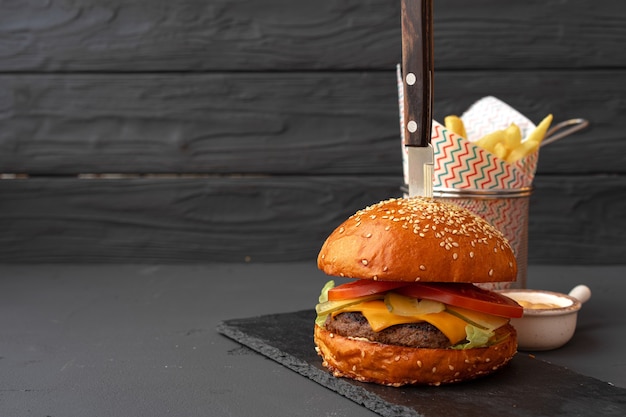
241	130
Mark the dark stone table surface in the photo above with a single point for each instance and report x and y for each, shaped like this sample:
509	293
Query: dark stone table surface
142	340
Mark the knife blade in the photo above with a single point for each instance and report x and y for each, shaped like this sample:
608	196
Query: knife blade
418	82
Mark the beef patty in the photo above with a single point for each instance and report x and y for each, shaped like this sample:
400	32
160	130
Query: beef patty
416	335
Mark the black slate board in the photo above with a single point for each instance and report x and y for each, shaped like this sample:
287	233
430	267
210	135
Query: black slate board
527	387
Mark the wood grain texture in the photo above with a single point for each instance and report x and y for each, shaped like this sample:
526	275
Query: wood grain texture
278	123
163	220
279	118
156	220
578	219
197	35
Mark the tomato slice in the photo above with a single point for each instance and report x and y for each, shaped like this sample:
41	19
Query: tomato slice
361	288
466	296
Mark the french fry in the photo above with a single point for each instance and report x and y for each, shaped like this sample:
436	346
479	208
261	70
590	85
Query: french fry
501	150
524	149
455	124
532	142
505	144
489	141
512	136
540	131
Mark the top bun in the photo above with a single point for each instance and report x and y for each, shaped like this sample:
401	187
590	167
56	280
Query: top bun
418	239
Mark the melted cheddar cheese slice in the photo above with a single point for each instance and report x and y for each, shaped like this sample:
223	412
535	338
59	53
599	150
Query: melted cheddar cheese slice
379	318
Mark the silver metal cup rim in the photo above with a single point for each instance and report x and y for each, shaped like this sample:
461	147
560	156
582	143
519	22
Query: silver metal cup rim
483	193
478	193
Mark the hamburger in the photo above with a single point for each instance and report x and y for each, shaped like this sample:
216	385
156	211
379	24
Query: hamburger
412	313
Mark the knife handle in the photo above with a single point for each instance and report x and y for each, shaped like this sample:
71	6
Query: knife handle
417	70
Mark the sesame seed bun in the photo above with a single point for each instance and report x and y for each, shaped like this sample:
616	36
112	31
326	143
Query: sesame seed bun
395	365
408	240
418	239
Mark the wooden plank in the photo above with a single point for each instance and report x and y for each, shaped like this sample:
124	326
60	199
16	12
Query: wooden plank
172	220
573	220
278	123
578	220
195	35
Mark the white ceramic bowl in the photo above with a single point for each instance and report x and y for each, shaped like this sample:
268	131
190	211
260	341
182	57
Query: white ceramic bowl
549	319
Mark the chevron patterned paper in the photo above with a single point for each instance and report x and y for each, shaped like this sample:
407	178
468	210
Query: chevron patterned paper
461	164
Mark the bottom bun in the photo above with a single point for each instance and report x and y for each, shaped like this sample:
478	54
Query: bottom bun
394	365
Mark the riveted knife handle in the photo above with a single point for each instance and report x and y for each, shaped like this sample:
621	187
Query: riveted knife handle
417	70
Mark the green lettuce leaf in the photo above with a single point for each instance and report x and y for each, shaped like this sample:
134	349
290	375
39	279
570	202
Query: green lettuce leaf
476	337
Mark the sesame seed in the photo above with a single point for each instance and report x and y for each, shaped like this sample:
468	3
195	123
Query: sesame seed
368	235
434	369
385	269
419	363
353	367
455	256
397	358
341	230
423	267
471	254
451	367
491	272
364	261
332	335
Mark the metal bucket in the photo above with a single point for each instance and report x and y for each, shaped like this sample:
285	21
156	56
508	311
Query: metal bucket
506	210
